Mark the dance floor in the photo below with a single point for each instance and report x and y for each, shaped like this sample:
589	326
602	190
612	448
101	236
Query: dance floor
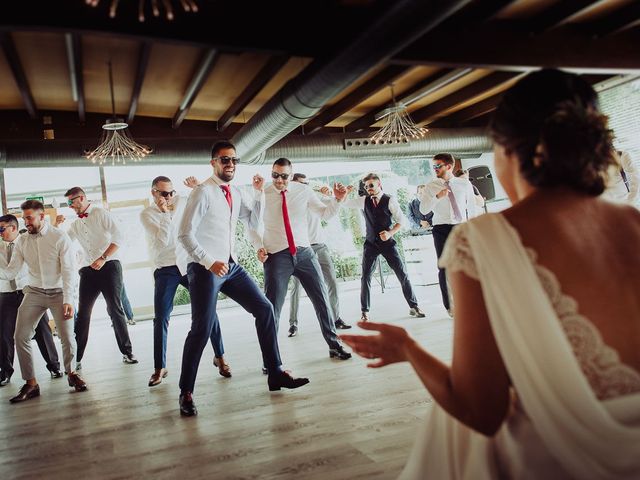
350	422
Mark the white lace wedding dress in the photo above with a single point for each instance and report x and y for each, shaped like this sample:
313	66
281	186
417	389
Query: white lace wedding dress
575	407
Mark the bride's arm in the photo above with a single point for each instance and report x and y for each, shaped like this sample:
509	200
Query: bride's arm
475	388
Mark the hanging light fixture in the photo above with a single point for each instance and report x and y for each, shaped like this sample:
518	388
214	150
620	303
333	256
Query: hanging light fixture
187	6
399	127
116	145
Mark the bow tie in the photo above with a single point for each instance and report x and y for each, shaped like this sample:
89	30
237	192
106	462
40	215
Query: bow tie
83	215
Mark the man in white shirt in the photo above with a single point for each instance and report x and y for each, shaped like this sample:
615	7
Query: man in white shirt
10	298
285	249
317	237
48	254
207	233
161	221
384	219
100	237
452	200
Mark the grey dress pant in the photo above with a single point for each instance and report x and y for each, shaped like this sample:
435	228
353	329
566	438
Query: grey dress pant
36	301
329	275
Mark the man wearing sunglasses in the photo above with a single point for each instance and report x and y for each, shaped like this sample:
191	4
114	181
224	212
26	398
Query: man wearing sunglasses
383	218
161	221
285	248
100	237
48	254
207	233
452	201
11	296
317	237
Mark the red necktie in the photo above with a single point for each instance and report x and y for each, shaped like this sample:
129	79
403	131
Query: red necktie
287	224
375	202
227	193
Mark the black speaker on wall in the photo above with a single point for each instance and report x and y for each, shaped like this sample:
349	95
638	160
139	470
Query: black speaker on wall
481	178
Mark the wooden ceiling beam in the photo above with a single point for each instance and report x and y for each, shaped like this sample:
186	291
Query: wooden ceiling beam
556	13
485	83
207	62
266	73
617	21
141	71
567	47
73	43
478	109
387	76
11	54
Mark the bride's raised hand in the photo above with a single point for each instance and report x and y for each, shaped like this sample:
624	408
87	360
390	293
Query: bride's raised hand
387	347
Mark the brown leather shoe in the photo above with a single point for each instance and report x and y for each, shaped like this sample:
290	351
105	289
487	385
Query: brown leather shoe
158	375
77	382
26	392
223	367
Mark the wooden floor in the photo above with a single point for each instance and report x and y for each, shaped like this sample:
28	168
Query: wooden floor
350	422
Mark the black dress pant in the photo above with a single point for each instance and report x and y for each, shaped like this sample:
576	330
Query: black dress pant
108	282
9	303
440	234
391	255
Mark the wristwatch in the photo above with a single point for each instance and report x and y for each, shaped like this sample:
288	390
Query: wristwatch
104	257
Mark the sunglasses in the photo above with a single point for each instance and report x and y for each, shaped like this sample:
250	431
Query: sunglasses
438	166
227	160
276	175
370	186
70	201
165	194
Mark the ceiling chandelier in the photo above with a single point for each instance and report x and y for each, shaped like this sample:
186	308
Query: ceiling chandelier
399	127
116	144
156	7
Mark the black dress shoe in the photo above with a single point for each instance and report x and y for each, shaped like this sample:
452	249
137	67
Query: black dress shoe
26	392
5	381
293	331
129	358
341	325
187	407
265	371
283	379
56	374
339	352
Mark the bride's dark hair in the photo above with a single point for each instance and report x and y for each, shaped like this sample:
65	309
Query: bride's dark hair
551	121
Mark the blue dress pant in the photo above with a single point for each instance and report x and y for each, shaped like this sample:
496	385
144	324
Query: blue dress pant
238	285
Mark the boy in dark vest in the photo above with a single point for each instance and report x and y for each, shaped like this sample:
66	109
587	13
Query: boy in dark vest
384	219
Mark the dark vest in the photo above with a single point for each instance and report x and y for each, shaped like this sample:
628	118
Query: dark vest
378	219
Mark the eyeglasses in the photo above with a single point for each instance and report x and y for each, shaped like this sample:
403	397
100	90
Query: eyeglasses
227	160
438	166
165	194
70	201
276	175
370	186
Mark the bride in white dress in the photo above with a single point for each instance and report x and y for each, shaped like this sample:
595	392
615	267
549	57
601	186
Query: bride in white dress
545	376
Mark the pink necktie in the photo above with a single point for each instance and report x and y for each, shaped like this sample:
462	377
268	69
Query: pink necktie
375	201
454	205
227	194
287	224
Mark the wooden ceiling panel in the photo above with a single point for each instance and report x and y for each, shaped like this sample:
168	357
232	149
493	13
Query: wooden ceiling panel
230	76
44	59
97	51
10	98
383	97
522	9
598	10
293	67
169	72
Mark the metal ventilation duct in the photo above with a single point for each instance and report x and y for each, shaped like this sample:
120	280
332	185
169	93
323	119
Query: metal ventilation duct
304	96
299	149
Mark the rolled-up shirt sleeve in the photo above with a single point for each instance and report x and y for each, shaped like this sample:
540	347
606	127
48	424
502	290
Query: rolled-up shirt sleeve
67	269
197	207
113	227
396	212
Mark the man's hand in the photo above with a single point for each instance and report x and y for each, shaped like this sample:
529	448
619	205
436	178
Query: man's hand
258	182
325	191
98	264
385	235
442	193
262	254
424	224
220	268
350	188
162	204
59	219
339	191
191	182
67	311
